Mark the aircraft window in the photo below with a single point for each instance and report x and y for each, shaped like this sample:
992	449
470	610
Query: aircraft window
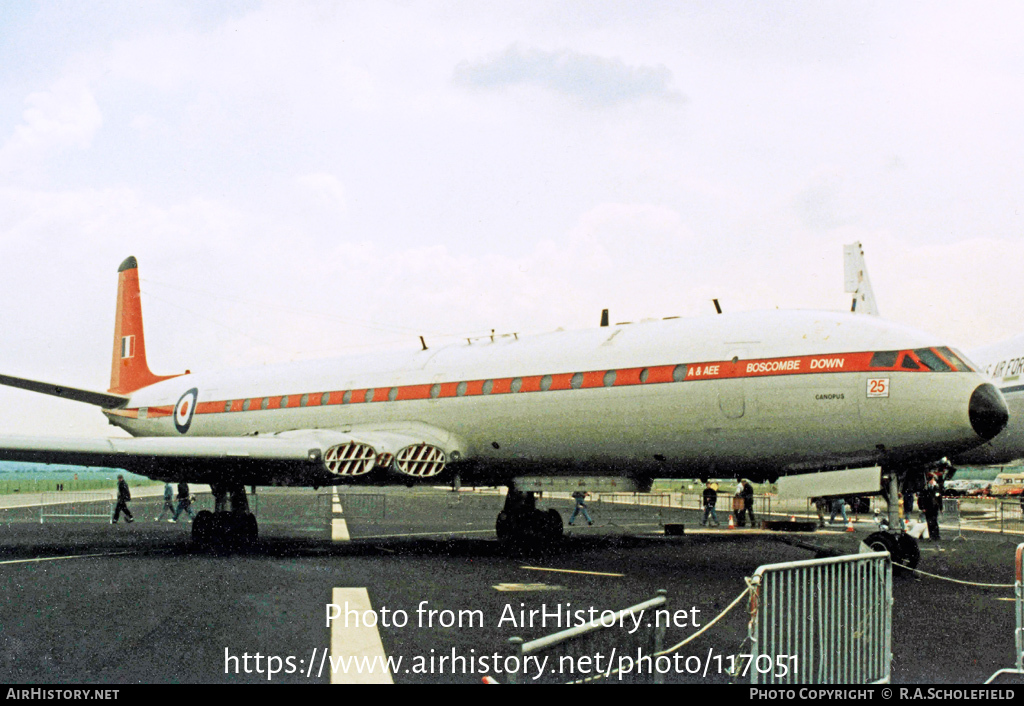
265	403
347	397
884	359
460	389
325	398
393	394
576	382
679	373
517	384
227	406
931	361
643	375
284	401
369	395
435	391
908	363
609	378
545	382
246	405
488	386
304	400
959	364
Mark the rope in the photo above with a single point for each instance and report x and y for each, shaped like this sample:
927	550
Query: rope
672	649
963	583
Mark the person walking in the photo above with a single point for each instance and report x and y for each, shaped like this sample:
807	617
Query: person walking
710	499
838	508
184	502
123	496
580	496
168	502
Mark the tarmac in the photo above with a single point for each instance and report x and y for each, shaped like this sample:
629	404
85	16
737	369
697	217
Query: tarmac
88	602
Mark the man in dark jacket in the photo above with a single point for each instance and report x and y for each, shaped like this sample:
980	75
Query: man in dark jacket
123	496
747	493
930	501
710	499
184	502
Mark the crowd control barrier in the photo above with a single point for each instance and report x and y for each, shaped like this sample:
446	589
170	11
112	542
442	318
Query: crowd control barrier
606	635
823	621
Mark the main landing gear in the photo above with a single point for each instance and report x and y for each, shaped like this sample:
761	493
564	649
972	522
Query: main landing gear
521	524
902	548
230	524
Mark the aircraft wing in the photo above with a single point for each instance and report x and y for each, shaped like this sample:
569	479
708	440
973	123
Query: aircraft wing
303	457
101	399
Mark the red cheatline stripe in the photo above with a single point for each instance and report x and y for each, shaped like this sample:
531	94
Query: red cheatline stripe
710	370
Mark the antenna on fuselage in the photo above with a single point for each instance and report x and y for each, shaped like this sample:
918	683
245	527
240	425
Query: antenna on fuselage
718	308
604	317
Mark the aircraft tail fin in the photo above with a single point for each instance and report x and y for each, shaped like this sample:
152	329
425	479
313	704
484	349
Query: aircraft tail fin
129	370
857	282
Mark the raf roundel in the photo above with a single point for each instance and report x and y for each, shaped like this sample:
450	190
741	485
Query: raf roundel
184	410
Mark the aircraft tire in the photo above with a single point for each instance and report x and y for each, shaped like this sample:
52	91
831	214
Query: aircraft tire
503	526
202	528
251	529
910	552
883	542
553	525
902	549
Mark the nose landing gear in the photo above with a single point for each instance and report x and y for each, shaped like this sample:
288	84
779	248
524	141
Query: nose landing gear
902	548
521	524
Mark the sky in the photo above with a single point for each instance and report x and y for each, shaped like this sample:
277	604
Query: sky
303	179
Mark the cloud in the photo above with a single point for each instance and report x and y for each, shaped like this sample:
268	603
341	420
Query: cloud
593	80
64	116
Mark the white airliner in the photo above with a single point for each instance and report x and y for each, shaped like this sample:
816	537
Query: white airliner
1003	362
758	395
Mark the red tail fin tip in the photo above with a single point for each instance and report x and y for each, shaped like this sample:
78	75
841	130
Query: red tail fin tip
129	370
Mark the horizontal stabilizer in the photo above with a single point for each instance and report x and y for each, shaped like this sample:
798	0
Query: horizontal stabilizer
100	399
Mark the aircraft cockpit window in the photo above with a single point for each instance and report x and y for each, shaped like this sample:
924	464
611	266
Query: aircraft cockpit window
932	361
908	363
883	359
956	360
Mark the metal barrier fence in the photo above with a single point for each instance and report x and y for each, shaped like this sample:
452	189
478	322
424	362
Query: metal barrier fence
609	634
87	505
635	508
363	506
1011	518
1018	633
823	621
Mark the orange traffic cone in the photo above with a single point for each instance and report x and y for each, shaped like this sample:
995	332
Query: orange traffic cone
849	525
732	522
792	518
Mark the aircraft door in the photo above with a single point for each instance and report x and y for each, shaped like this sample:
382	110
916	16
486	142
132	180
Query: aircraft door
731	398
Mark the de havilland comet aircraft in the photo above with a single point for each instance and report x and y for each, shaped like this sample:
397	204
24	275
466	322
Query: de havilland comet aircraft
758	395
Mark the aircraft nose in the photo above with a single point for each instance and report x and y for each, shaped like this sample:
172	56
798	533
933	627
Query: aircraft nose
987	411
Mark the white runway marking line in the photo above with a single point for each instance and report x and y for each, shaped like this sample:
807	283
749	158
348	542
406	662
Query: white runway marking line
339	528
571	571
59	558
359	644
